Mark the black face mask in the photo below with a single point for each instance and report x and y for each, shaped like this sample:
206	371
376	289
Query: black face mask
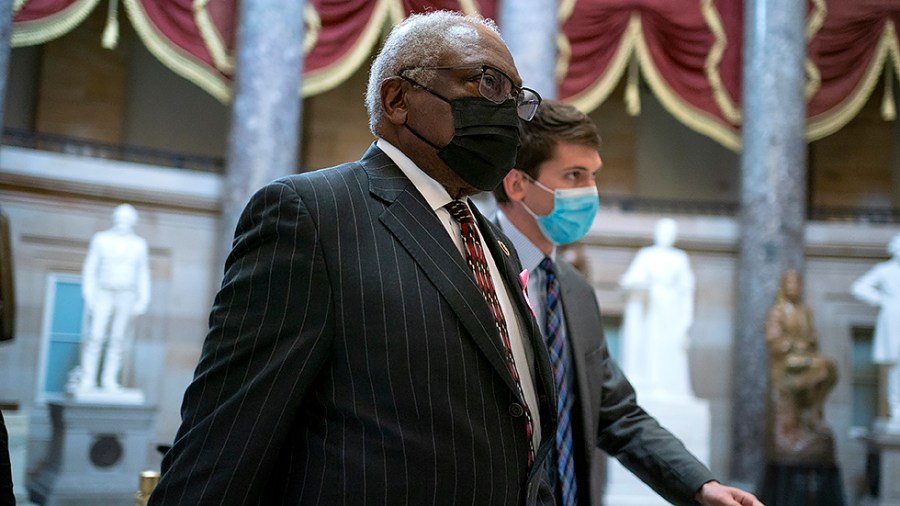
485	142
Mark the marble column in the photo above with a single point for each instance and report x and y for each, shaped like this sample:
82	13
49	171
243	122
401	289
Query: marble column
773	199
530	28
265	110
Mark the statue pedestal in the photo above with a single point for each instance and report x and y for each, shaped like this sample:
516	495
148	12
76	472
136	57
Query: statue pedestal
688	419
793	484
884	440
96	454
131	396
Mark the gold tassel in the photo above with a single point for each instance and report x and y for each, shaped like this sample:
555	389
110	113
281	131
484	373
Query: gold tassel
111	32
888	109
632	91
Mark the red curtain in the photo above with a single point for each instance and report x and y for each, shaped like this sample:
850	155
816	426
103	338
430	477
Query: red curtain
688	51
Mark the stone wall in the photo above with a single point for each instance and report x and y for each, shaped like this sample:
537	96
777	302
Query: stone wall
55	203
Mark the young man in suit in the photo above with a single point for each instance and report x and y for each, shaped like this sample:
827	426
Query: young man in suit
550	198
371	342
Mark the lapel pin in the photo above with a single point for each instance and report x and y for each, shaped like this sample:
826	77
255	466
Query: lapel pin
503	247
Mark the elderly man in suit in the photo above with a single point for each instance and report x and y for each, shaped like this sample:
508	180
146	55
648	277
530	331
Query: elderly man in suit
550	198
371	342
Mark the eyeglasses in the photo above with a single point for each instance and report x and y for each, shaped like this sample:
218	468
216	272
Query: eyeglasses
495	86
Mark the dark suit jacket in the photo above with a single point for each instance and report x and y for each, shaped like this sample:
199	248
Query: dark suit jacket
609	417
351	359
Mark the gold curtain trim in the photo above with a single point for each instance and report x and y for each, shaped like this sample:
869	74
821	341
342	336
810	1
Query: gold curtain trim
110	37
563	47
30	33
832	121
395	11
888	107
215	43
327	78
566	7
211	36
632	88
179	61
591	97
469	8
697	120
17	6
816	19
729	109
813	25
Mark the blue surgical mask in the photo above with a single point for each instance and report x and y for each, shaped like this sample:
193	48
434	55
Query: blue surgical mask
573	212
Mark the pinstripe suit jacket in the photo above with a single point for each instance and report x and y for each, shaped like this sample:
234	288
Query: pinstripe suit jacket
351	359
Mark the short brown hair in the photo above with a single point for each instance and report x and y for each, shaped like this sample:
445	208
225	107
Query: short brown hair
554	122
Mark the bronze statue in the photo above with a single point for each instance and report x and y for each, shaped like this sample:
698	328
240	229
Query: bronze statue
800	378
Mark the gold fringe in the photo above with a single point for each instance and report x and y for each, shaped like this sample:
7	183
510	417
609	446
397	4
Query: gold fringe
832	121
563	56
178	60
816	19
31	33
632	91
692	117
213	40
110	38
590	98
395	11
888	109
215	43
566	7
327	78
313	27
727	106
469	8
563	47
813	25
813	79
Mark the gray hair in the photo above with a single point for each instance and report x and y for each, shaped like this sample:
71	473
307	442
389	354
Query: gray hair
419	40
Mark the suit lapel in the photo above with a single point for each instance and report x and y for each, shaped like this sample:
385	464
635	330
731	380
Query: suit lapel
510	268
413	223
575	328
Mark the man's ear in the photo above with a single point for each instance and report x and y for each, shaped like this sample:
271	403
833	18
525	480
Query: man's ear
514	184
393	100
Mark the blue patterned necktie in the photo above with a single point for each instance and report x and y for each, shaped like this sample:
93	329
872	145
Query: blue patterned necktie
561	360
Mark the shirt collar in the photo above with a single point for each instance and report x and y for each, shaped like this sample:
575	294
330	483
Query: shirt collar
529	254
435	193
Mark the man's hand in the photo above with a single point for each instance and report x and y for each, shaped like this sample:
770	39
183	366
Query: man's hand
713	493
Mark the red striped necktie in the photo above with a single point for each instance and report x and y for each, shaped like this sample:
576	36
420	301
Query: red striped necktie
478	263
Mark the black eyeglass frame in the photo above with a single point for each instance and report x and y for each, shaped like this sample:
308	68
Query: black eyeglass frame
526	106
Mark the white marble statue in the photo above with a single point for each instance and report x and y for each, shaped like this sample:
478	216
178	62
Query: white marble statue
116	288
659	290
881	287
